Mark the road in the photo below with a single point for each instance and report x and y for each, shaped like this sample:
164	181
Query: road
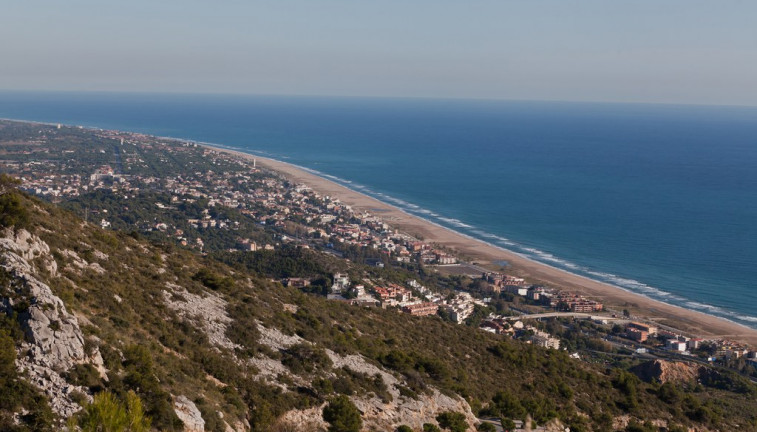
562	314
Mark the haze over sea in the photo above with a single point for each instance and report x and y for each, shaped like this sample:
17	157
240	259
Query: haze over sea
657	199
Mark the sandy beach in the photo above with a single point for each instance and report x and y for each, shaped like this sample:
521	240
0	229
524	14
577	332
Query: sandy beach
691	322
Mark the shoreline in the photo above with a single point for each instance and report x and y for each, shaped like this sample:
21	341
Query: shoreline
645	308
693	322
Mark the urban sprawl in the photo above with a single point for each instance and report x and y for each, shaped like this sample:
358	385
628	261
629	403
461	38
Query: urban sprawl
126	165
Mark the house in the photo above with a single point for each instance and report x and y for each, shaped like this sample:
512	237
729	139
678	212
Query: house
341	282
675	345
694	343
297	282
543	339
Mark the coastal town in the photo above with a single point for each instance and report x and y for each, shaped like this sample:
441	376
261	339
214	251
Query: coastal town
213	201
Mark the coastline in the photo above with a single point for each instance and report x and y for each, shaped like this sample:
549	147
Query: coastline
687	321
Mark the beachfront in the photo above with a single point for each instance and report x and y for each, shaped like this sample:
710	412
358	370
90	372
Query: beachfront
692	322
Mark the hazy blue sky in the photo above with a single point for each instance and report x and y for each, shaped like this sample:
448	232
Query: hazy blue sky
684	51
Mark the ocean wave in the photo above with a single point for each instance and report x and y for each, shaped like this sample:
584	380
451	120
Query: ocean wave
336	179
719	311
455	222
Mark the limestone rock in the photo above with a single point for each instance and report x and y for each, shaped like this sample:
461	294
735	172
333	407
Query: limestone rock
53	339
187	411
380	415
663	371
412	412
28	247
208	312
275	339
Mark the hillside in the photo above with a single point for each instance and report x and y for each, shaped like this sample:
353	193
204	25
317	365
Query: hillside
204	346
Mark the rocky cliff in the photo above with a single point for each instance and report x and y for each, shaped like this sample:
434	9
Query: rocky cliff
53	339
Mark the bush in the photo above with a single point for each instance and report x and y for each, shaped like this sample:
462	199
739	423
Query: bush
212	280
13	212
304	357
507	424
140	376
107	413
342	415
486	427
84	375
454	421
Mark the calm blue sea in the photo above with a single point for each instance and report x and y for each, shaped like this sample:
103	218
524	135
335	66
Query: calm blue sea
657	199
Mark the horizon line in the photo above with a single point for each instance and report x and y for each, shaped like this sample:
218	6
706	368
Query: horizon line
383	97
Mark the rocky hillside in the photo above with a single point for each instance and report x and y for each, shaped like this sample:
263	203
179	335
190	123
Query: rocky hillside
88	313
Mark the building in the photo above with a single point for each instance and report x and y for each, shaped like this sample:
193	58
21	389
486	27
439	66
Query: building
341	283
636	334
458	312
247	245
543	339
517	290
694	343
421	309
297	282
651	330
675	345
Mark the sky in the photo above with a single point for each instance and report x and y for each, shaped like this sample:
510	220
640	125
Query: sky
670	51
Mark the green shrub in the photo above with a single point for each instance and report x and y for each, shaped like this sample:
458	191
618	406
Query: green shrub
84	375
342	415
212	280
305	357
108	414
13	212
454	421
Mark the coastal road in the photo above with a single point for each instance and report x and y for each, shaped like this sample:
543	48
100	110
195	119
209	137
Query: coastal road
562	314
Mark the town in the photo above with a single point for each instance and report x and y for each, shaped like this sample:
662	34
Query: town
212	201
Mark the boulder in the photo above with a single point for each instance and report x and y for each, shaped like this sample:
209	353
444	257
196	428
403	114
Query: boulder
187	411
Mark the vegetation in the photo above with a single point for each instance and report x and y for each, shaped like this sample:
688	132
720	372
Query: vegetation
342	415
452	421
153	351
13	213
164	353
108	414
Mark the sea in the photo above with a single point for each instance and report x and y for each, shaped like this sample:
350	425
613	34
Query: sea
660	200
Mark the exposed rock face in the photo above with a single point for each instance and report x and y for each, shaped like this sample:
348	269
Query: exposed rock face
388	416
237	426
664	371
208	311
275	339
312	417
28	247
187	411
54	342
376	414
79	263
401	410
